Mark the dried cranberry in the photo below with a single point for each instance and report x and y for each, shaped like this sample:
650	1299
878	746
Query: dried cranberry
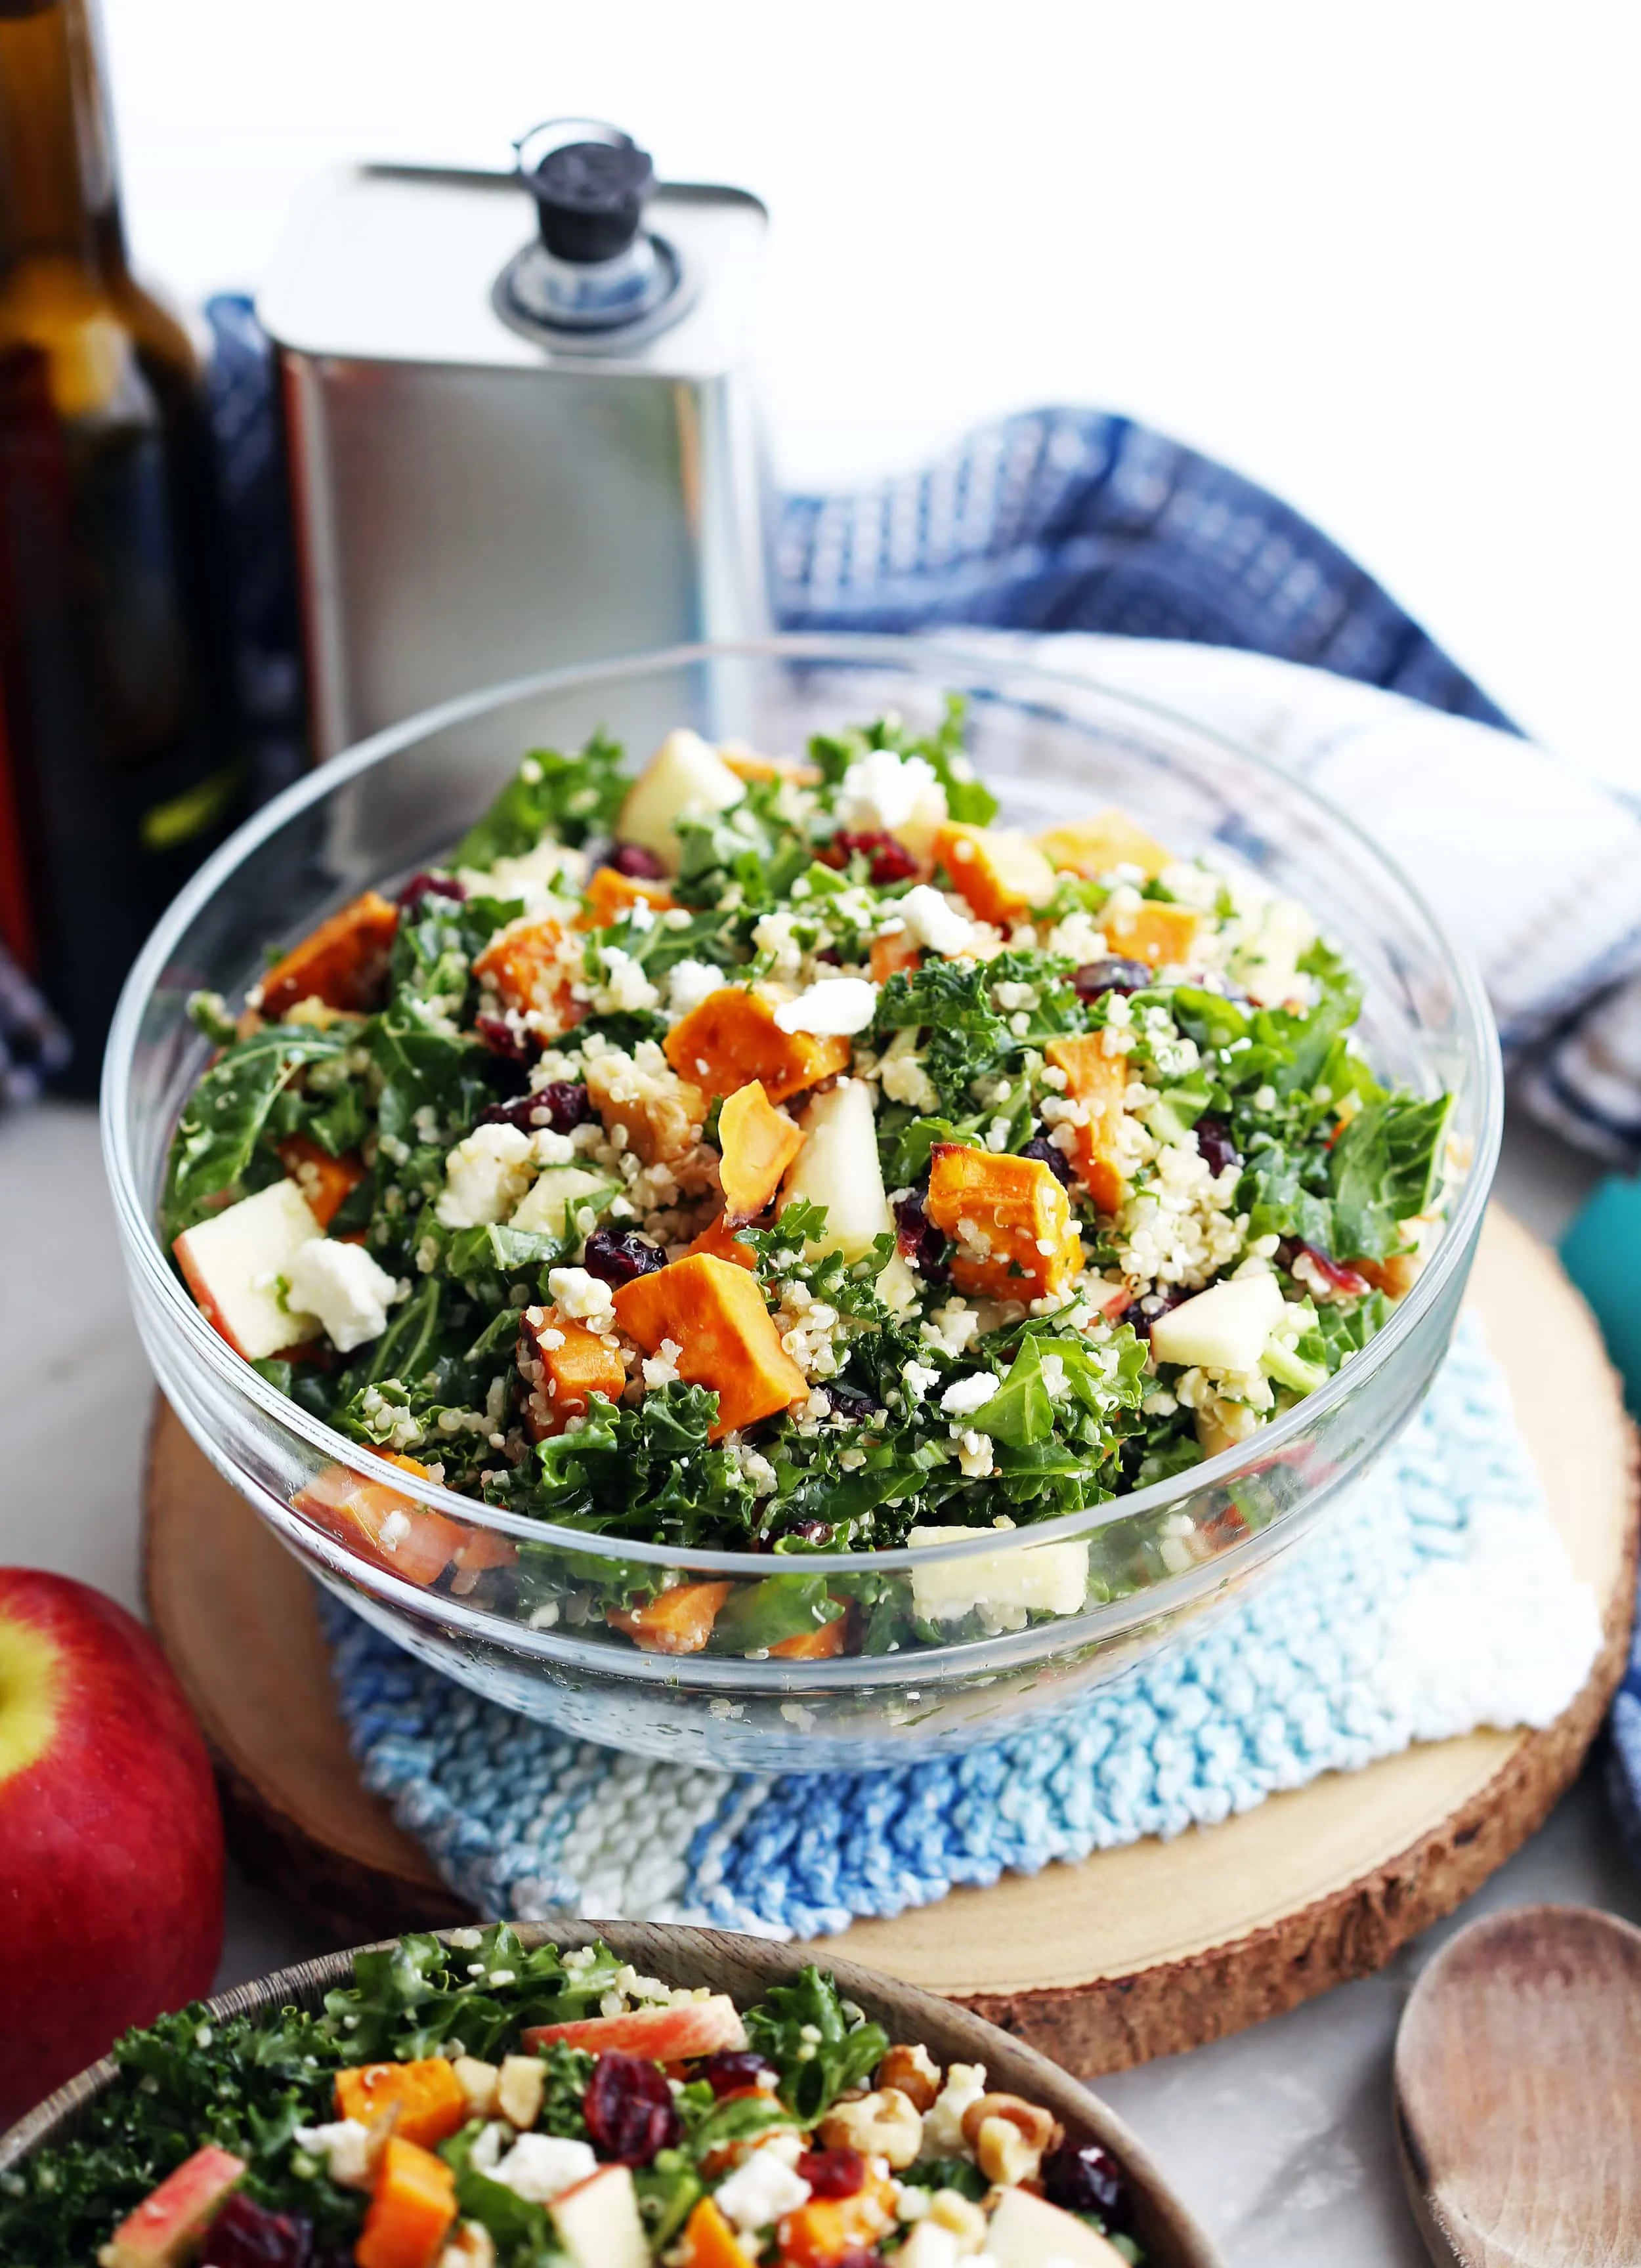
832	2173
629	2110
1215	1146
1096	978
848	1401
424	886
1144	1313
888	861
1086	2179
920	1243
1056	1161
245	2235
636	863
1338	1275
620	1255
501	1039
560	1107
735	2069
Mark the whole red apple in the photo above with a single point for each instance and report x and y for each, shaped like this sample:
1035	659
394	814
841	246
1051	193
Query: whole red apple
110	1836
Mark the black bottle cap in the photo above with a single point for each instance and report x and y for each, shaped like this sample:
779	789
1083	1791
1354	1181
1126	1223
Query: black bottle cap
589	196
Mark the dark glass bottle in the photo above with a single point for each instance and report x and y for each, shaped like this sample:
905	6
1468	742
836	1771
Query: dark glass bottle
119	759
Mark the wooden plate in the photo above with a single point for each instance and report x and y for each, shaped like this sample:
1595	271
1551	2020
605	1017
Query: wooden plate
1133	1953
745	1968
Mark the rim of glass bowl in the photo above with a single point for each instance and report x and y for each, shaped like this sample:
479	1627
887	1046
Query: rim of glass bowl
931	659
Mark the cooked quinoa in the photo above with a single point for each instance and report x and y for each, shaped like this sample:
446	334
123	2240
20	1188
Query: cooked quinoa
778	1153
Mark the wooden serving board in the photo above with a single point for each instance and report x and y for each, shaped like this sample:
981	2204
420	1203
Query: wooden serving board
1133	1953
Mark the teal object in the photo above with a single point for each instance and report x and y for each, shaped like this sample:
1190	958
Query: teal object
1601	1252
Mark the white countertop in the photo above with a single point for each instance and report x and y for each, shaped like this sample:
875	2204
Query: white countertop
1280	2138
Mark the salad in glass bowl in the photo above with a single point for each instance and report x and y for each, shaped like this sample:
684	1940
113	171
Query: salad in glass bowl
774	1155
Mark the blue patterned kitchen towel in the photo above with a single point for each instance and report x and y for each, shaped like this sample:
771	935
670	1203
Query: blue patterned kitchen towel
1438	1598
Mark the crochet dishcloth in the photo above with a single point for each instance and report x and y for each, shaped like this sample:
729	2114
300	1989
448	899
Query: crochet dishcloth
1436	1599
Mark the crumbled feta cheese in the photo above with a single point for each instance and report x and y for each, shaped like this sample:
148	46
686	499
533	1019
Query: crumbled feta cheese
661	1367
918	1379
903	1077
760	2192
964	1396
976	1456
348	1292
625	989
485	1176
344	2146
541	2167
689	984
836	1004
584	1299
942	2123
883	789
934	922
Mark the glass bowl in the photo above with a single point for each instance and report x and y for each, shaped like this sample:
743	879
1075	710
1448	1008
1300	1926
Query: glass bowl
513	1621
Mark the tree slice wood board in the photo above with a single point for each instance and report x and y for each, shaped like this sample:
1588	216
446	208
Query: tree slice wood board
1132	1953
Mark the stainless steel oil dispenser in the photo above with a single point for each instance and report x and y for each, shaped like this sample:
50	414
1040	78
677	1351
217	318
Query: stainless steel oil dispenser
521	421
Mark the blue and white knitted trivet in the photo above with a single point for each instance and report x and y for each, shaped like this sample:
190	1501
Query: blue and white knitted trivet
1437	1598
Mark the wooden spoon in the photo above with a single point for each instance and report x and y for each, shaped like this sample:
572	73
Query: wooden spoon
1518	2093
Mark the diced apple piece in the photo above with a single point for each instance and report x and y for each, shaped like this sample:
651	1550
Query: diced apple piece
1224	1327
233	1265
598	2221
685	776
555	1190
838	1168
999	874
1050	1579
169	2222
1027	2232
694	2028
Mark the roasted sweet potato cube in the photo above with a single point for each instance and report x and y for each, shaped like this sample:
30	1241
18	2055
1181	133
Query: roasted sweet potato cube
410	2211
611	894
678	1621
1010	1220
424	2095
532	966
713	1312
1159	934
721	1241
733	1037
327	1182
758	1143
1097	846
562	1363
896	952
391	1530
1000	874
1097	1082
344	962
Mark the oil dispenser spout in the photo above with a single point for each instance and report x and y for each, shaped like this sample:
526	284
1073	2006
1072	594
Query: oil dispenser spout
594	268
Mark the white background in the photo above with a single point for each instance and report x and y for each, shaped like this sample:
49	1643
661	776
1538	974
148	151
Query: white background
1382	259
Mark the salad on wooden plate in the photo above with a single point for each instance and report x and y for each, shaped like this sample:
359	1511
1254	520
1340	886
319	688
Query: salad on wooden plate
488	2099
